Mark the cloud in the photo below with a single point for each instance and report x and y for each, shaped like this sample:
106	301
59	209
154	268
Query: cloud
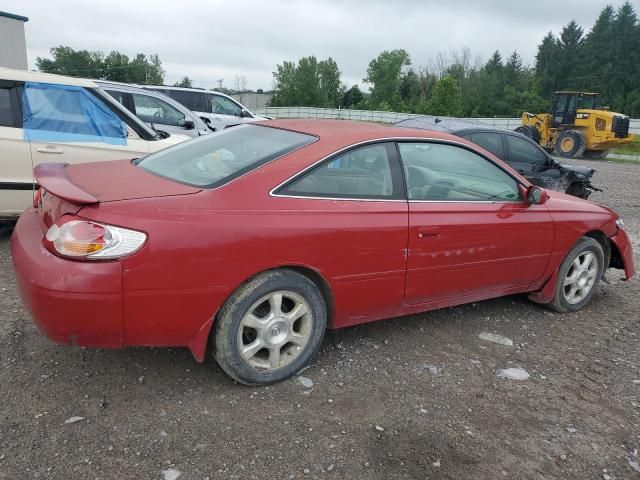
218	40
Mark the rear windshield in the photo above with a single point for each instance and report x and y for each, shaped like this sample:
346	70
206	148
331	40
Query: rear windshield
215	159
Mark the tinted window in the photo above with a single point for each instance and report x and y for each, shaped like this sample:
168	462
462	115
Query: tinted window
6	113
523	151
118	96
224	106
194	101
154	110
491	142
364	172
215	159
441	172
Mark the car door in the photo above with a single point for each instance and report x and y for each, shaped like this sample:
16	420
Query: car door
358	233
470	230
69	124
530	160
16	182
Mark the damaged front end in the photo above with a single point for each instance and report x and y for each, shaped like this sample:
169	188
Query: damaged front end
573	180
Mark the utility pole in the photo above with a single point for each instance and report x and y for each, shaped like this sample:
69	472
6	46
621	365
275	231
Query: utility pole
220	80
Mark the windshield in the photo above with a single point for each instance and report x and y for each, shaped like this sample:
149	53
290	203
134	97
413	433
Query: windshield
215	159
589	102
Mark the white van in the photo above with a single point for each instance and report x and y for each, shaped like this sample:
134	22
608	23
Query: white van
218	110
51	118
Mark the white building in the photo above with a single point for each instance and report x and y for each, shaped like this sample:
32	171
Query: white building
13	46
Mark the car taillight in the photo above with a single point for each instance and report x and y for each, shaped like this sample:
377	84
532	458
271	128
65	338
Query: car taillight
84	239
36	199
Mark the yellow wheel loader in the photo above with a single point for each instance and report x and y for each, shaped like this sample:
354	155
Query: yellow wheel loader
577	126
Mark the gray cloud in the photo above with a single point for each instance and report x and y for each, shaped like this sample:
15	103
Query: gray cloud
212	40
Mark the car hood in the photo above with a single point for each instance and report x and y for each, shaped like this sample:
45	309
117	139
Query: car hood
120	180
579	170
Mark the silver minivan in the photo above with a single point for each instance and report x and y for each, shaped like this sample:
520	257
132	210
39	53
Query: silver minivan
216	109
156	109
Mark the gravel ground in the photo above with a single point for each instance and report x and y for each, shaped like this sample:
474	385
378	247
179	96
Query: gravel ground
416	397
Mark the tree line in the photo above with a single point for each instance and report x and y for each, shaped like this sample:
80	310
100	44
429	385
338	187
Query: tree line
606	59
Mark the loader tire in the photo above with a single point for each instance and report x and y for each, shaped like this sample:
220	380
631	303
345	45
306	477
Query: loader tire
529	132
570	144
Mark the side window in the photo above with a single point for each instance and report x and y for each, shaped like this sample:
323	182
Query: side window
6	112
365	172
523	151
194	101
491	142
224	106
65	113
118	96
440	172
154	110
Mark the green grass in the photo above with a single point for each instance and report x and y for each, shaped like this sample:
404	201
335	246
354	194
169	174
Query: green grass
628	149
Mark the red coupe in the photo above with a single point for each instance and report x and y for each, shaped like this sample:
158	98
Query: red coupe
254	240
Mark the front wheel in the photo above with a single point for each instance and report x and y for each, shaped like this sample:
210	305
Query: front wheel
270	328
578	276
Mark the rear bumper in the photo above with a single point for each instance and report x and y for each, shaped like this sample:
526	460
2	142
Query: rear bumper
77	303
623	244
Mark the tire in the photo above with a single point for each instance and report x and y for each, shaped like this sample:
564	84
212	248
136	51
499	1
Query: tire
251	316
595	154
529	131
563	300
570	144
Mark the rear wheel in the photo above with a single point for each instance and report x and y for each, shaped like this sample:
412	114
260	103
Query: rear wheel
595	154
270	328
570	144
529	131
578	276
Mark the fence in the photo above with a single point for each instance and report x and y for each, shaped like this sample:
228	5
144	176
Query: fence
386	117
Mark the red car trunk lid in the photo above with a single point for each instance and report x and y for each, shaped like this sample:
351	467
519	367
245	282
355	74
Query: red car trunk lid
69	187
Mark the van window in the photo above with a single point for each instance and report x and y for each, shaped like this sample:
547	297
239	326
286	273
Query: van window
223	106
65	113
154	110
194	101
6	112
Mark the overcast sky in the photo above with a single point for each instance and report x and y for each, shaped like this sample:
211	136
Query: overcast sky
211	40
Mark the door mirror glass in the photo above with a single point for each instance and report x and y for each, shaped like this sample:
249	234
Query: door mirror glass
188	124
536	195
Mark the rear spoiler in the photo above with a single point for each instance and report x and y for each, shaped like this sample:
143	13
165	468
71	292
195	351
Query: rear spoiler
53	178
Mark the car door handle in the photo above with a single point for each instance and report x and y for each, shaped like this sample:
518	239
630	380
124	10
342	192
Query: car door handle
50	149
428	232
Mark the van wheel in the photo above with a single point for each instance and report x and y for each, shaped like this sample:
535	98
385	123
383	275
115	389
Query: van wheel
578	276
270	328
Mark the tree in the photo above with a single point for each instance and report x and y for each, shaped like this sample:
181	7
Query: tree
74	63
446	98
184	82
384	74
310	83
352	97
329	74
115	67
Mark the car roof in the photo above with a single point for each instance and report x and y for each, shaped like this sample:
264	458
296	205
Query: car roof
29	76
190	89
438	124
348	132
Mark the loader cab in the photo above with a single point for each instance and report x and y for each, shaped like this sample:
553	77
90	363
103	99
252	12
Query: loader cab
564	106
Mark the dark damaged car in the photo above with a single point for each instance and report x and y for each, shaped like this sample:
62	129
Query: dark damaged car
523	154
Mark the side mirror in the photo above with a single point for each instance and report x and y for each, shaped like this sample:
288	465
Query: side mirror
189	124
536	195
245	113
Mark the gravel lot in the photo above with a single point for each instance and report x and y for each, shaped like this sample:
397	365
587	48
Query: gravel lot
416	397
